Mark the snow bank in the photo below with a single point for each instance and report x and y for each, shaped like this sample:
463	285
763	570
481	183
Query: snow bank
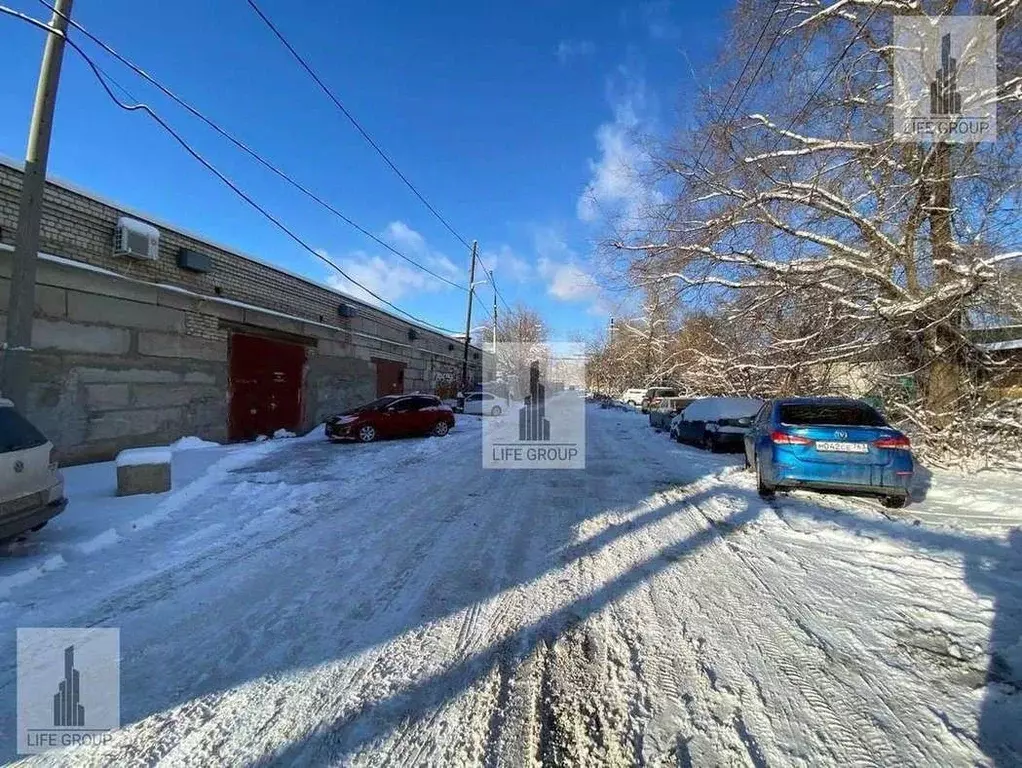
716	408
316	433
102	541
192	443
134	457
282	434
20	578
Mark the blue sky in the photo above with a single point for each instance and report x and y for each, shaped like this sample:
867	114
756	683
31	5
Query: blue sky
511	118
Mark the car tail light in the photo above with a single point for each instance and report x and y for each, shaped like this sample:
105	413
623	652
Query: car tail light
786	438
899	443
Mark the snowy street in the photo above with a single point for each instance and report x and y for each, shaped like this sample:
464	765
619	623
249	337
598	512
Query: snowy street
298	602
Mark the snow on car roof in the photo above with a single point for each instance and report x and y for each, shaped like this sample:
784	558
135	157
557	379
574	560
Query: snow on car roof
714	408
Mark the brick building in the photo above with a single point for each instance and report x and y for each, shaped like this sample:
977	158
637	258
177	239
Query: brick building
201	340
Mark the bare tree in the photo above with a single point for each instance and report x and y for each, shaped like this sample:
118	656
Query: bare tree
521	337
825	244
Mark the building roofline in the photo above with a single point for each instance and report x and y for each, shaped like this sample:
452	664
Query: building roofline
18	165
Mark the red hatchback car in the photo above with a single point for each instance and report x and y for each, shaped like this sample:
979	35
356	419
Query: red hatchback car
392	416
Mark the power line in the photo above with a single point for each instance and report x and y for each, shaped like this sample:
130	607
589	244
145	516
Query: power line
734	88
249	151
493	284
833	68
351	118
816	90
101	77
766	53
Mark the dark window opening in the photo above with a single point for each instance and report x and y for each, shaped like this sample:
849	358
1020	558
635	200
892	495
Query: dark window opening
831	415
16	434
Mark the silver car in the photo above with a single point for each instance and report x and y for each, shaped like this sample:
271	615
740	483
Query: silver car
31	486
484	404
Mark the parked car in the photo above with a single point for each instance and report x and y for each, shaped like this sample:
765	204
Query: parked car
715	423
31	486
654	395
392	416
836	444
633	396
666	409
483	404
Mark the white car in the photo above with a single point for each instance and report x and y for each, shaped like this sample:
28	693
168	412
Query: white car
31	486
634	396
484	404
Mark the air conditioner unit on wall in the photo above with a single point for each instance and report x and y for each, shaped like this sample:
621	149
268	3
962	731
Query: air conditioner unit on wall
136	239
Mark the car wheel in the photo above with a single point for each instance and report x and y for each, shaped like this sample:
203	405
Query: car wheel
367	433
441	428
765	489
495	410
894	502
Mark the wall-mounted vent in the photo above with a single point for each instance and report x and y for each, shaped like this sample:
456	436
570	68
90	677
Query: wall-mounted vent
136	239
412	334
346	310
194	261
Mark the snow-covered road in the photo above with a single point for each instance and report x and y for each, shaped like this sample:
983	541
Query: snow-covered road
307	603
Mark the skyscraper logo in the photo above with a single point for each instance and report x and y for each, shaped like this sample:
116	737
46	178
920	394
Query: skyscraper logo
945	79
944	96
67	711
545	424
532	421
68	687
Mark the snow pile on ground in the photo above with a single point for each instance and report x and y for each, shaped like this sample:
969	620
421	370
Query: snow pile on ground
97	518
393	603
161	454
136	457
718	408
192	443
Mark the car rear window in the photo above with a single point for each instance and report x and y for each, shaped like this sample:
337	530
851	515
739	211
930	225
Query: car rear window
831	414
16	434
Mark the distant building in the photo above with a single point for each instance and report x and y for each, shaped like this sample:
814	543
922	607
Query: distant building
179	336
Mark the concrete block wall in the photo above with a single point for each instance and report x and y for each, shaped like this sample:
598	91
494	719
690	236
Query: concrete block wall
103	377
123	360
80	226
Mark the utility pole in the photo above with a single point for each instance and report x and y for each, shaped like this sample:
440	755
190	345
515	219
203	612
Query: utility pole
468	320
21	306
494	315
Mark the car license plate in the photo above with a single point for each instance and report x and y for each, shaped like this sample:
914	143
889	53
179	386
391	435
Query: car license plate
833	447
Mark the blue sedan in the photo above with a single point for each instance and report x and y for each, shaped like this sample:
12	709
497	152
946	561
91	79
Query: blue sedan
829	443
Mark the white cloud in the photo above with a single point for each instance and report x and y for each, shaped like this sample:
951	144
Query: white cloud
506	264
657	17
391	277
570	49
616	191
567	281
559	267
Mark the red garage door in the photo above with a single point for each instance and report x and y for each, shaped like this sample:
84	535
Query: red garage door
265	386
390	377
